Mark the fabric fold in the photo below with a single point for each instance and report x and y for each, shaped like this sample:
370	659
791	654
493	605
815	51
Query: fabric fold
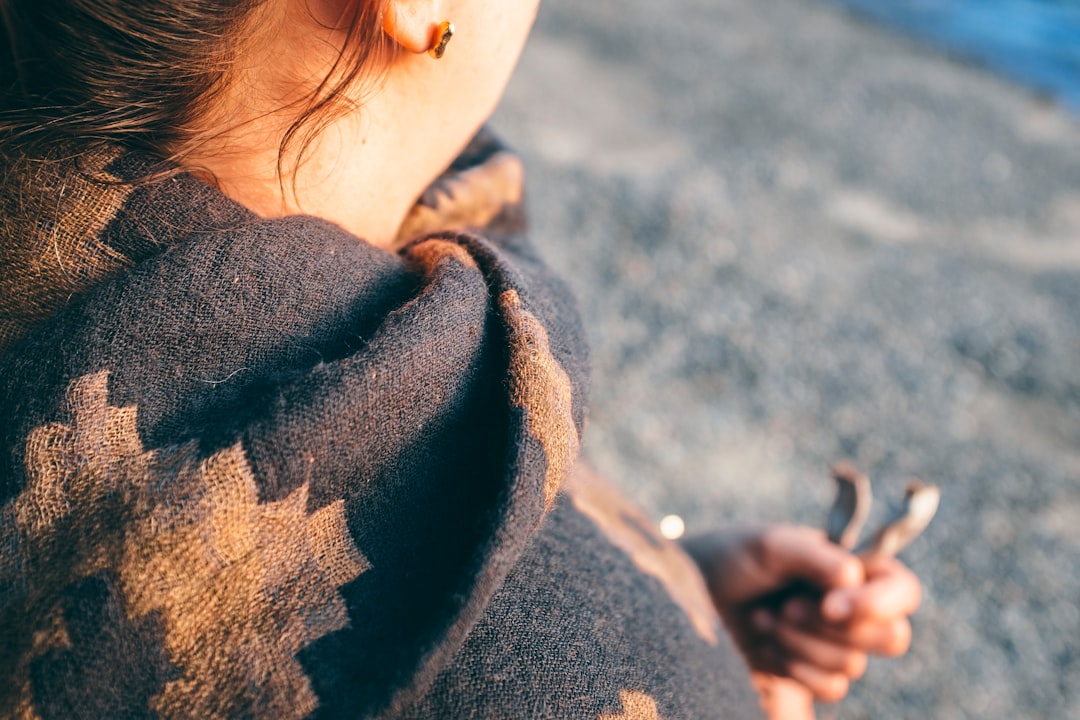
248	437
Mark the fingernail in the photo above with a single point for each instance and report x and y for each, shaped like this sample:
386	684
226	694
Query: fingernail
836	607
763	621
797	611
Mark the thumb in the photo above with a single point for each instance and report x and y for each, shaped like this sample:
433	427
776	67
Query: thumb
793	553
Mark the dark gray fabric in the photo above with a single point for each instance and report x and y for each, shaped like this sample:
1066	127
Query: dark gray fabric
575	623
260	468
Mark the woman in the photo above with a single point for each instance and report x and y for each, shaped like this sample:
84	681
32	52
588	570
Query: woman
283	439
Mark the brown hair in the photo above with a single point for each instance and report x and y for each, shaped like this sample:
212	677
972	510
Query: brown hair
141	73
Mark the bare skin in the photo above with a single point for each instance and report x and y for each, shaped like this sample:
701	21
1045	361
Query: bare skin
805	612
367	168
365	172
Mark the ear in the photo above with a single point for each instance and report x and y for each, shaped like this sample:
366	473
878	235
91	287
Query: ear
412	24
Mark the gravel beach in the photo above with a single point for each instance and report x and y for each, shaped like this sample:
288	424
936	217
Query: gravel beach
796	238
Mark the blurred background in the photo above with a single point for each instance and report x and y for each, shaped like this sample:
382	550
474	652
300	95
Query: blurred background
804	230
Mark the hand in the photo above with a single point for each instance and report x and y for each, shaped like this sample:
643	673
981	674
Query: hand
803	608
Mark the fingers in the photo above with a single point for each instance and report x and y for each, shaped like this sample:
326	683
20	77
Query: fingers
890	639
781	648
743	565
821	652
887	638
895	640
826	663
890	591
823	684
822	639
783	698
826	686
798	643
789	553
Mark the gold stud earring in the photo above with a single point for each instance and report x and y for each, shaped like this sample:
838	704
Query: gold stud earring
441	39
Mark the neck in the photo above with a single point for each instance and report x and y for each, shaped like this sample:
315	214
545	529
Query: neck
357	167
345	175
368	162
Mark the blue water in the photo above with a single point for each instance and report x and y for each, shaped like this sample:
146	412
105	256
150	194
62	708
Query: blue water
1035	42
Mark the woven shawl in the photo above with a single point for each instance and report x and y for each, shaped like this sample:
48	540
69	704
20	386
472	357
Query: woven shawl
260	468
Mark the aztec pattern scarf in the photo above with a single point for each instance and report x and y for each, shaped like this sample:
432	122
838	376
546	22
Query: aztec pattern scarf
260	468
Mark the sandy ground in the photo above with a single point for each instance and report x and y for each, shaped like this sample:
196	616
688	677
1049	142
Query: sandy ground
798	238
